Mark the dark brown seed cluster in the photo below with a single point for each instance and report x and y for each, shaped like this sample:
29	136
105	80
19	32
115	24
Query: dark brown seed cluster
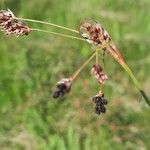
100	103
98	74
94	33
11	26
63	87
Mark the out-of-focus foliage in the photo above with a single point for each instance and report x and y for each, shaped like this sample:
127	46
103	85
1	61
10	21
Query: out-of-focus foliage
30	67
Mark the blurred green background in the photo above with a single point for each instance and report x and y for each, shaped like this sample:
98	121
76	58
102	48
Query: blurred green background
30	119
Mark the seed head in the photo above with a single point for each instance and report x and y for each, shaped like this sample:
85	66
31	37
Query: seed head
94	33
100	103
98	74
11	26
63	87
6	15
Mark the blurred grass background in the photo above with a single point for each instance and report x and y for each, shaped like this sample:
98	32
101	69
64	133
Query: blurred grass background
30	67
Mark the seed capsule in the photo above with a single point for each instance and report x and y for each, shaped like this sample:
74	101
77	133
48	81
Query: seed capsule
100	103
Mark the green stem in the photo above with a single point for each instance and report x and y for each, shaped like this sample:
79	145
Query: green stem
97	60
47	23
101	87
97	63
137	84
87	61
59	34
114	52
83	65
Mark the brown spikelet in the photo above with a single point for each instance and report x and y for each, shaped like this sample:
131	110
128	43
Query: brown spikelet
5	15
63	87
11	26
98	74
16	27
94	33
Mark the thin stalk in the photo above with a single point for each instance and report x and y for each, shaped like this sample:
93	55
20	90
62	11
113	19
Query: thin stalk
56	33
103	59
97	60
114	52
47	23
137	84
101	87
83	65
87	61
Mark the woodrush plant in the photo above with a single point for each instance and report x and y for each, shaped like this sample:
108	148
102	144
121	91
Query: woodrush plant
91	32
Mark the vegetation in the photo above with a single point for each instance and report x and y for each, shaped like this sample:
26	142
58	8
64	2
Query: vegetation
30	67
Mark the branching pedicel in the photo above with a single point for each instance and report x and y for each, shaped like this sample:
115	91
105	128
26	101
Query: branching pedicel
93	33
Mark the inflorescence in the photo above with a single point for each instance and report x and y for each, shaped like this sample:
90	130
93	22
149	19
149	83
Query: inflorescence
90	31
11	26
94	33
100	103
63	87
98	74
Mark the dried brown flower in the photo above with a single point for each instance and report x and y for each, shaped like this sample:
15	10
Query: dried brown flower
63	87
11	26
5	17
94	33
98	74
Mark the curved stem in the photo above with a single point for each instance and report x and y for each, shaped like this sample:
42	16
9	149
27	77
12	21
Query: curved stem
137	84
47	23
56	33
114	52
82	66
86	62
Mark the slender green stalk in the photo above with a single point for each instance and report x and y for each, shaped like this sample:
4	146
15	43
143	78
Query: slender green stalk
83	65
97	62
103	59
56	33
87	61
115	53
101	87
97	53
47	23
137	84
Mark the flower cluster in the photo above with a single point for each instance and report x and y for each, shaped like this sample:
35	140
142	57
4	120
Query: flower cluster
63	87
98	74
94	33
11	26
5	17
100	103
